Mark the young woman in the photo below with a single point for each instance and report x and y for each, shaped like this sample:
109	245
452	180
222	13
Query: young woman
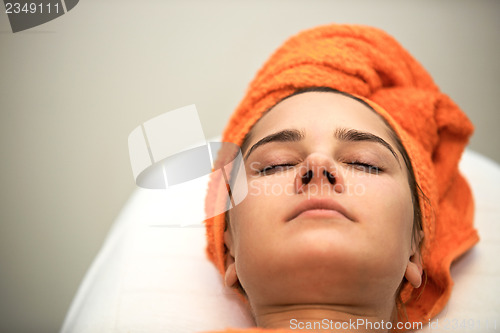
355	206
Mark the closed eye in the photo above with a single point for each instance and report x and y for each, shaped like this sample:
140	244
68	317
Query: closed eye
270	169
366	167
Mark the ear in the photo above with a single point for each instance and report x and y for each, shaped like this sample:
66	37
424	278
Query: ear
414	268
230	278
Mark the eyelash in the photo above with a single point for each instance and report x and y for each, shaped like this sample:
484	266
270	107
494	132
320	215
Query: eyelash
270	169
361	166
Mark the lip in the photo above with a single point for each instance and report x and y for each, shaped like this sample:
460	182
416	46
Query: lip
319	208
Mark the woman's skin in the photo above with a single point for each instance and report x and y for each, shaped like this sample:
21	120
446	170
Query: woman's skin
326	234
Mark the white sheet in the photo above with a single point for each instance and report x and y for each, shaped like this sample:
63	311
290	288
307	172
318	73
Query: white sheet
152	278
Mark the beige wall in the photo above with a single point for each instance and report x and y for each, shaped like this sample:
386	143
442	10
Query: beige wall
71	91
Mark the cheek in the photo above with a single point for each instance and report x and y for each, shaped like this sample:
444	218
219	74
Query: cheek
256	227
387	209
389	197
254	219
386	218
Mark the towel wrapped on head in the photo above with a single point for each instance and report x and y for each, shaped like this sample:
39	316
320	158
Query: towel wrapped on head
368	63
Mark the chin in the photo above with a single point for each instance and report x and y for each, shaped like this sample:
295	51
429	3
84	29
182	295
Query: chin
320	277
326	242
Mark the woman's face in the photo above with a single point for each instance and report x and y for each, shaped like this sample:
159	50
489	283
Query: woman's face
329	214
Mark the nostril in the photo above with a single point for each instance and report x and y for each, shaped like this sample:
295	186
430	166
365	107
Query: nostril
306	178
329	176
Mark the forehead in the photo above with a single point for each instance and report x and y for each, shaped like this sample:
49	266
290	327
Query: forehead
320	113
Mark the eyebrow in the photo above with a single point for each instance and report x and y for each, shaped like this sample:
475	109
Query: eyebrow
352	135
288	135
341	134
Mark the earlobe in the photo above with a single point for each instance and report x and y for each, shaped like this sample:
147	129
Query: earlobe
413	275
414	270
230	278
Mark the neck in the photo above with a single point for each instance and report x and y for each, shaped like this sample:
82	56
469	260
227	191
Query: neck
324	318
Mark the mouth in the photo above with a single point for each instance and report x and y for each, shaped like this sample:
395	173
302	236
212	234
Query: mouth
319	208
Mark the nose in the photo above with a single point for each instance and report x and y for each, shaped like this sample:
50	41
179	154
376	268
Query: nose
309	175
318	173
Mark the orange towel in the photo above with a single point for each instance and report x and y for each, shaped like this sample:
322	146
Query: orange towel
367	62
